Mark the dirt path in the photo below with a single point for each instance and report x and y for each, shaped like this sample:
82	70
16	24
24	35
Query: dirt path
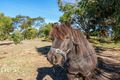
26	62
21	61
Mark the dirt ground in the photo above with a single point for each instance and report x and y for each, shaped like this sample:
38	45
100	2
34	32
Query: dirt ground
21	61
27	61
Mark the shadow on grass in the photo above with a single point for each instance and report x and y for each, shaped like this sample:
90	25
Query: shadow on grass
43	50
99	49
55	73
6	43
111	68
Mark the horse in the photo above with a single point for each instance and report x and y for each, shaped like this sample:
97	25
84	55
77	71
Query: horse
71	50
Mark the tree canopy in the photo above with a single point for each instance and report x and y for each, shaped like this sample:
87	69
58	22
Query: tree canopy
5	26
25	22
19	27
93	12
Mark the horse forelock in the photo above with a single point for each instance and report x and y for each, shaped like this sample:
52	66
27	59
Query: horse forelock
60	31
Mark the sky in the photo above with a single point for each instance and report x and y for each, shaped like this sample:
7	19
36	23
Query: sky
47	9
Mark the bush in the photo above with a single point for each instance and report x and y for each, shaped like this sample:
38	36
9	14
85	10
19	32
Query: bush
3	37
95	33
116	38
17	37
30	33
45	30
3	34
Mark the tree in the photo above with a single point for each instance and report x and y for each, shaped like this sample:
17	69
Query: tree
45	30
74	15
17	37
30	33
26	22
19	27
102	12
5	26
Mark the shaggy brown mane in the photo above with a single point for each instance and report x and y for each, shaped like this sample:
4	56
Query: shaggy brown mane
60	31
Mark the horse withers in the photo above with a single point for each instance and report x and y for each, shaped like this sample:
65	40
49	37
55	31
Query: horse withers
72	51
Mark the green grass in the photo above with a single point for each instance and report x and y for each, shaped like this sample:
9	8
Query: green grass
106	44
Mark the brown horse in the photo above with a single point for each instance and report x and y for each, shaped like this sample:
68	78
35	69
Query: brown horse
71	50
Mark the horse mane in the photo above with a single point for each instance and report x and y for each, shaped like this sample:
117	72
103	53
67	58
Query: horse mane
61	30
84	47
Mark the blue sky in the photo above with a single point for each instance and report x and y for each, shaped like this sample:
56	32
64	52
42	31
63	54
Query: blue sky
33	8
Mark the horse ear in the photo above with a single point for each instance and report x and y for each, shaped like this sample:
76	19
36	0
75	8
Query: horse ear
55	25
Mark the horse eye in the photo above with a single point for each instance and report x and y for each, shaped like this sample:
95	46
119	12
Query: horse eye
52	38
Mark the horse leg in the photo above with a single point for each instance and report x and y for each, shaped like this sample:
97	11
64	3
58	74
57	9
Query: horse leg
71	76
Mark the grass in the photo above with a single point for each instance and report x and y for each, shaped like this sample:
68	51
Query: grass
106	44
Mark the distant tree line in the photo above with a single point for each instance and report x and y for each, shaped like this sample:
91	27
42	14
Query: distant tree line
22	27
93	17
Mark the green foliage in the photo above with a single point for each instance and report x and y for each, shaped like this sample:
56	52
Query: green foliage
30	33
17	25
107	43
26	21
17	37
5	26
45	30
116	36
102	12
65	17
95	33
3	36
67	9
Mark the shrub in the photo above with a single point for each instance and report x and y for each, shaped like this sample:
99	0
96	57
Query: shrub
3	37
30	33
17	37
3	34
116	34
95	33
44	31
116	38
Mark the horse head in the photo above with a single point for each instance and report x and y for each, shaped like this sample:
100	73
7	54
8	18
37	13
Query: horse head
61	46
